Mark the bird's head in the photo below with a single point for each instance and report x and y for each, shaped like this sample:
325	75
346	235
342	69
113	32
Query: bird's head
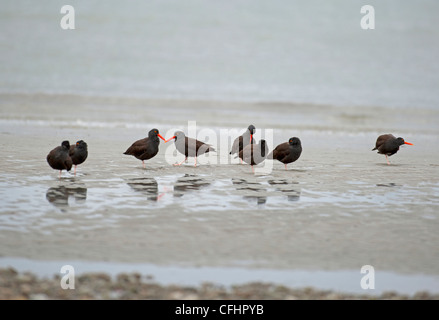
401	141
81	144
252	130
294	141
155	133
65	144
177	135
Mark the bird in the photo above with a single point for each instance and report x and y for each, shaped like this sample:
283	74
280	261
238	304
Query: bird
287	152
78	153
254	154
190	147
388	145
146	148
59	159
243	140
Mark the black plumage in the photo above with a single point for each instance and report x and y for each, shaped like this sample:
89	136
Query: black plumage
254	154
190	147
59	159
287	152
147	148
243	140
388	145
78	153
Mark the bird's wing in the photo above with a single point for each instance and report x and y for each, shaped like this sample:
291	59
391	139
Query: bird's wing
246	154
72	150
258	155
382	139
237	145
202	147
281	151
68	163
138	147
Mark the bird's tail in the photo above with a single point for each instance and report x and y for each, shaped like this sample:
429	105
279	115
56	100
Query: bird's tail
374	149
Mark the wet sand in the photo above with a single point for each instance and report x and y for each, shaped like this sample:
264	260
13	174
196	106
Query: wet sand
339	207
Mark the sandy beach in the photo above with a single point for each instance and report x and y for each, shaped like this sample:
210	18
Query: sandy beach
337	208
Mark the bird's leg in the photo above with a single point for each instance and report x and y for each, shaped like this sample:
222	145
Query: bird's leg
285	166
253	170
179	164
387	159
195	161
241	160
75	170
143	163
60	174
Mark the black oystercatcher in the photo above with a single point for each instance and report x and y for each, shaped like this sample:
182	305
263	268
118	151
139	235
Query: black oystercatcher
388	144
254	154
78	153
242	141
189	147
59	158
287	152
147	148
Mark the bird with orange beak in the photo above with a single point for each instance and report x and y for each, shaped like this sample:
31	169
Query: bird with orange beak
388	145
243	140
189	147
78	152
147	148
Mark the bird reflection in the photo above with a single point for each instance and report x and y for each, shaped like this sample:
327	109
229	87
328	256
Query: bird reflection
187	183
148	186
290	188
252	190
60	196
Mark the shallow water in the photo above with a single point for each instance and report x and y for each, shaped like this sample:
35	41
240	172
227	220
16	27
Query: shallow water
83	195
328	215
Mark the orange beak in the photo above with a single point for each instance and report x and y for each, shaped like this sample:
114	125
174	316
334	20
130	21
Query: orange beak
251	138
160	136
408	143
170	139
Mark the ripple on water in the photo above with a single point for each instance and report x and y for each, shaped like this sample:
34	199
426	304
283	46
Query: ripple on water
41	202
